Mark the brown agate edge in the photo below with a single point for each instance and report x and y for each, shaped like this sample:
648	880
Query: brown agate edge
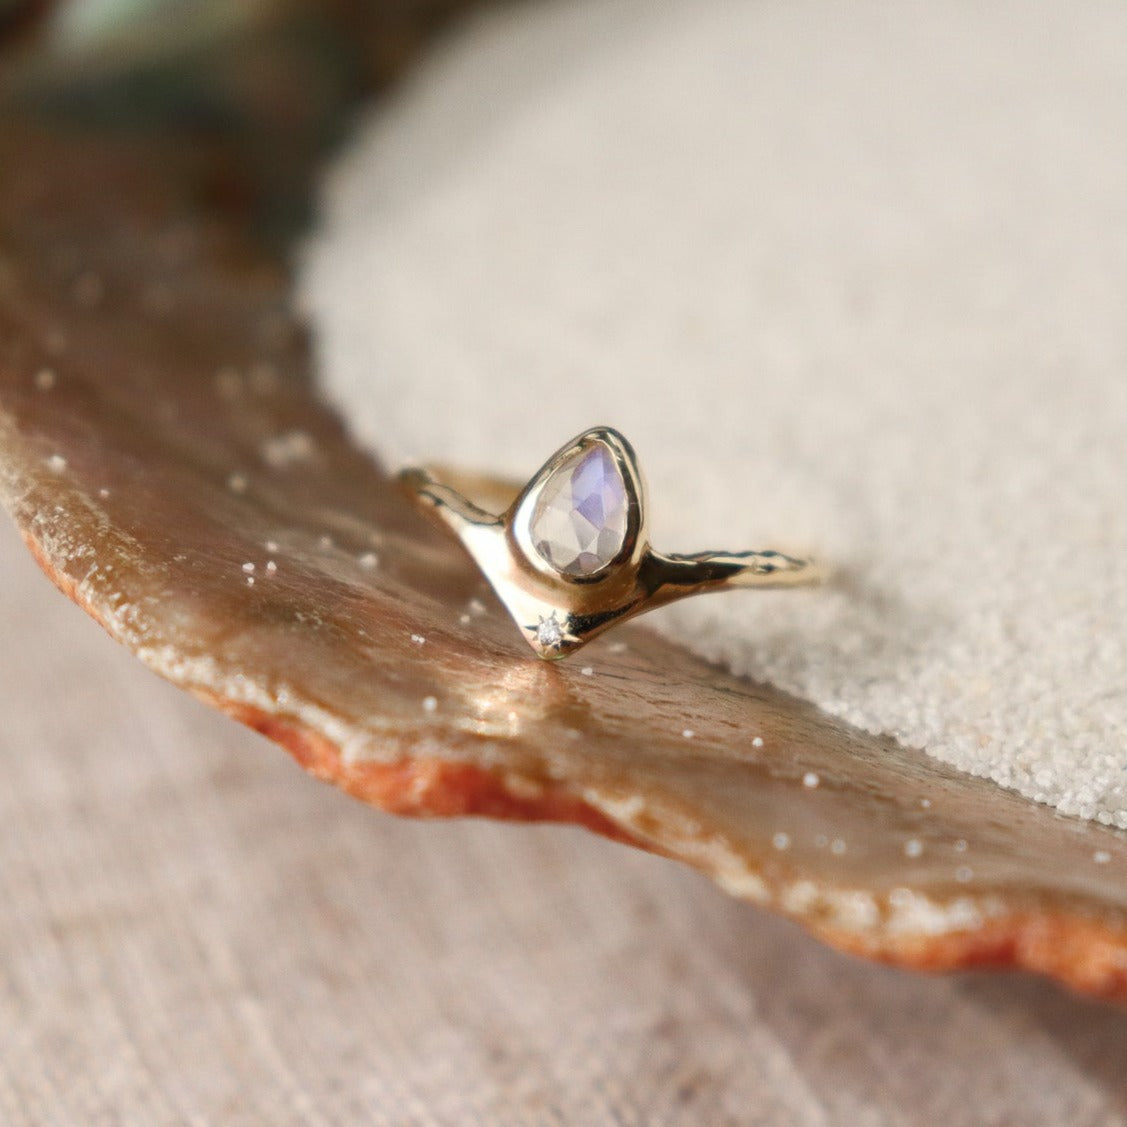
166	457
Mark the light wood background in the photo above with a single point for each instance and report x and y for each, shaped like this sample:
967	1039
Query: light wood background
195	932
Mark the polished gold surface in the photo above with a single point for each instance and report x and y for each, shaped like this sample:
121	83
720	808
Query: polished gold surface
557	612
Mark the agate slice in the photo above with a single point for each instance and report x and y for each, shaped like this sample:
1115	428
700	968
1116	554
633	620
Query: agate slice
167	459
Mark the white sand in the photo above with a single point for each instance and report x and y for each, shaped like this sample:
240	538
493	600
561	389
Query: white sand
852	276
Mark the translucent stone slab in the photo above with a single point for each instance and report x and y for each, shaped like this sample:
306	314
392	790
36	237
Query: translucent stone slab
165	455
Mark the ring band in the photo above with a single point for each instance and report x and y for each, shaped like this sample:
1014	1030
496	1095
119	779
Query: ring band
568	554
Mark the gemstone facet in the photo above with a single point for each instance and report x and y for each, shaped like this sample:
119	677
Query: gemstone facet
579	524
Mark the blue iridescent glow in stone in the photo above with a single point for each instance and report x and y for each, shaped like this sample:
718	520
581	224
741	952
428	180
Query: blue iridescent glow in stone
579	525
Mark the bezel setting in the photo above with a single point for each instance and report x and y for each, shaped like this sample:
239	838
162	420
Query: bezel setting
520	515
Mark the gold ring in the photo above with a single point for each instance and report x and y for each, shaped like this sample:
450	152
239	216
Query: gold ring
569	555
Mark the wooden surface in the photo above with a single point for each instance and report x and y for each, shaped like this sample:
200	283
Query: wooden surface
195	932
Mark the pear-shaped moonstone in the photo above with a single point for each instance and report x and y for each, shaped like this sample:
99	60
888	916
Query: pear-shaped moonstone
579	524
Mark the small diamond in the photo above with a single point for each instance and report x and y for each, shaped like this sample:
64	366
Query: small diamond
550	632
